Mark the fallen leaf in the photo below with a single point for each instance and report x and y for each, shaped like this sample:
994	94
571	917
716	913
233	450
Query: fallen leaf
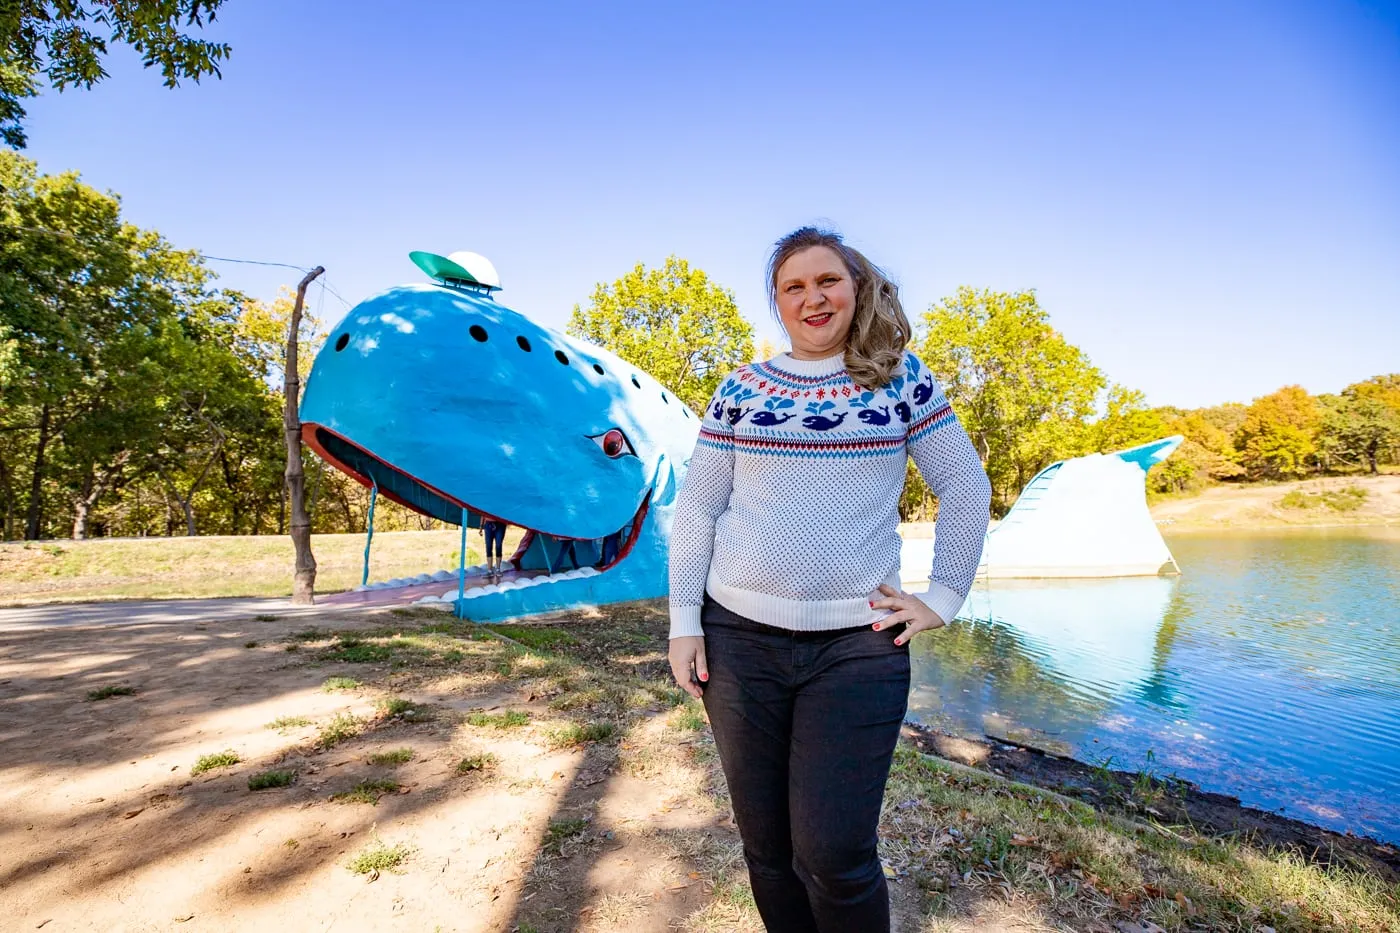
1018	839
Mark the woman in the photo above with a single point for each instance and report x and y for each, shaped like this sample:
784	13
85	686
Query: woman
786	615
494	531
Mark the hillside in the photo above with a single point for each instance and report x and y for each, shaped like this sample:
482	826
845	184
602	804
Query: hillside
1314	502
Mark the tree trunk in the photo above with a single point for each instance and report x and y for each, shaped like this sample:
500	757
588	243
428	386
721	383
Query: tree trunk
7	489
304	578
34	520
82	505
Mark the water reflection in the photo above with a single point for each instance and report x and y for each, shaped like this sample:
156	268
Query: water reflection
1042	661
1270	669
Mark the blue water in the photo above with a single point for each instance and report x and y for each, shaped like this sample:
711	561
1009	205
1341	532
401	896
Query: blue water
1270	669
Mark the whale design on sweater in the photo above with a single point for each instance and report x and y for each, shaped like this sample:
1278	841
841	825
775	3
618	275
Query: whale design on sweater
450	403
789	513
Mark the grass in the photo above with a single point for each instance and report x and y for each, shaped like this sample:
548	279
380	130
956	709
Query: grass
224	759
477	763
341	727
164	568
576	734
111	690
689	717
510	719
1346	499
539	637
561	831
377	857
332	684
367	792
283	723
267	779
350	649
948	828
393	758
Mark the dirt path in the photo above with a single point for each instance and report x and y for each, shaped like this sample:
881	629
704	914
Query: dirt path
99	795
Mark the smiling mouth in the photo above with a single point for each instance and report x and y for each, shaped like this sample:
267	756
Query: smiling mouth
817	320
540	559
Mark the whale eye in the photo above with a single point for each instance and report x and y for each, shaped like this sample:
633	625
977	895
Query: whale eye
524	344
598	369
614	443
478	333
341	341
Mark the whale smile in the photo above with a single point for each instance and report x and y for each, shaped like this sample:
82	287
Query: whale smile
565	556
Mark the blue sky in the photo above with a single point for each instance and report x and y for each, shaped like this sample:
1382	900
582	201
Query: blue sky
1205	195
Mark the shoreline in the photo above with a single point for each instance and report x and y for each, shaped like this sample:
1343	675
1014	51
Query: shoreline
1163	800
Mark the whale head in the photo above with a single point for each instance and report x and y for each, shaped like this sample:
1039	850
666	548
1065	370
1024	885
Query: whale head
460	408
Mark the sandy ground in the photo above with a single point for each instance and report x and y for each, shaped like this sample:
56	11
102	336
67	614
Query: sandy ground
104	826
1258	506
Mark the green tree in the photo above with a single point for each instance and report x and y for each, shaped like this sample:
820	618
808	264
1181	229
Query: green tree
1127	421
672	322
1361	427
1278	437
66	40
124	362
1020	389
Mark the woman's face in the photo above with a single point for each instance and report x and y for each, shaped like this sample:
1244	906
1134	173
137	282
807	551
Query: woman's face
816	302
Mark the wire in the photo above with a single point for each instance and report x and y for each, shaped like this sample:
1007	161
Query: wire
325	285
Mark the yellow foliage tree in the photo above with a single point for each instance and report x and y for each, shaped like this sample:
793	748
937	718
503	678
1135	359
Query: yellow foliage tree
1278	438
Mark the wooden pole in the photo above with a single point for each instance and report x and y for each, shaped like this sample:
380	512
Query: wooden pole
304	581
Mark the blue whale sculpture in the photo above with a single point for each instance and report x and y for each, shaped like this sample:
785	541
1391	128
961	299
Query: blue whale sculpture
457	407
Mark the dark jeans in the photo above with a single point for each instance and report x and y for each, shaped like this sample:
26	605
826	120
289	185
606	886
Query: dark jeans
495	534
806	725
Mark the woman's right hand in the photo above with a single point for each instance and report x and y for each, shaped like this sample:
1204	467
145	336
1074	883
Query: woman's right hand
688	657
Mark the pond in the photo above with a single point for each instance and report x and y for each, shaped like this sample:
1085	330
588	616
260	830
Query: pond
1270	669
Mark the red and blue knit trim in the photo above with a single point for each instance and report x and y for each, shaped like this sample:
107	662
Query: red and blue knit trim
931	422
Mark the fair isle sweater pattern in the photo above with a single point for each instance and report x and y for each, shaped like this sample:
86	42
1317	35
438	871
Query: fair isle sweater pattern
758	526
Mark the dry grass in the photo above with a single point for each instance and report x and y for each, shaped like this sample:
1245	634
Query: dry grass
167	568
962	837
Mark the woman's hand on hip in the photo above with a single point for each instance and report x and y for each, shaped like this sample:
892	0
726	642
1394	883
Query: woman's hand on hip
905	610
688	663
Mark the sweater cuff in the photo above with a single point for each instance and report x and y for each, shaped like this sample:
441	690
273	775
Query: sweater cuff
685	622
942	600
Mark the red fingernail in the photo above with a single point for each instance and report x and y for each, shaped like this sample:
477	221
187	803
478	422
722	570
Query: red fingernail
876	626
704	676
872	604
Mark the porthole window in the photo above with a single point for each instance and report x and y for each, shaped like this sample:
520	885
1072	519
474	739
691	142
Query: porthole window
559	355
478	333
524	344
341	342
598	369
635	382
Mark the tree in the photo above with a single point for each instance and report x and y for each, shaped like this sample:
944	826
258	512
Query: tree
1127	421
1278	437
66	40
672	322
1020	389
1361	427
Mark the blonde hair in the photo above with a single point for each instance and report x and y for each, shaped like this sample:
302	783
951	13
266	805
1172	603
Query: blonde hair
879	328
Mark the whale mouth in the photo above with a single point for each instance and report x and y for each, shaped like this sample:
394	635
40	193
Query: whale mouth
541	557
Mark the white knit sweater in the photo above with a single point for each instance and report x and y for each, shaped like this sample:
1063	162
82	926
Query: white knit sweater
789	512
